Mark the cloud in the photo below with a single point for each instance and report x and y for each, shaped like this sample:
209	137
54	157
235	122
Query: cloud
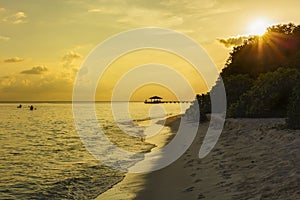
149	17
2	9
69	58
233	41
191	5
17	18
13	60
105	10
35	70
5	38
20	15
187	31
71	55
96	10
49	87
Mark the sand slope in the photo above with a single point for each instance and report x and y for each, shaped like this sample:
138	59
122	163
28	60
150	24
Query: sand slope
253	159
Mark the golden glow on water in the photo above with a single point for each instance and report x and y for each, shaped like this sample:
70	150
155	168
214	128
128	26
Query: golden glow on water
42	155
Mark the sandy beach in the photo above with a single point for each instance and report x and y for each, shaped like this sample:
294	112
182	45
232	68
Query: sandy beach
253	159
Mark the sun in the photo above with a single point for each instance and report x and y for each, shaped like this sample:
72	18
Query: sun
258	27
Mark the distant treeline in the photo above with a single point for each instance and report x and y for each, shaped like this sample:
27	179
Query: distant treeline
262	77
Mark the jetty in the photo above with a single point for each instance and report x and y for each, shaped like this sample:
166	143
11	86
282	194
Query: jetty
159	100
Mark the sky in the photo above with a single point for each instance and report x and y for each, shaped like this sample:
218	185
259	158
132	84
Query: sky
43	44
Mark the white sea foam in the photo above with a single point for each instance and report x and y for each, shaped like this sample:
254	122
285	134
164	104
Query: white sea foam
42	155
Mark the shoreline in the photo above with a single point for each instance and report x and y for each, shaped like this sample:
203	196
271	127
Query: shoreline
254	158
120	190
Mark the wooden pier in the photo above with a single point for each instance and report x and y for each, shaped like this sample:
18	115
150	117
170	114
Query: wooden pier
158	100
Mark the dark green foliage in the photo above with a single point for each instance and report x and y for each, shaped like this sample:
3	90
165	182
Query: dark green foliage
273	61
204	103
260	77
236	85
197	110
269	95
293	111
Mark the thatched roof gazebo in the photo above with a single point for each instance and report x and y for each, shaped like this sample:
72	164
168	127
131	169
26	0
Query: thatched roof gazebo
154	99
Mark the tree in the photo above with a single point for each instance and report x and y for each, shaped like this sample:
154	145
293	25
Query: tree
269	95
277	48
260	75
235	86
293	111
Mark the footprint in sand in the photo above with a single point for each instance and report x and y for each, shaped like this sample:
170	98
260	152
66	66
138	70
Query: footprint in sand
201	196
190	189
190	161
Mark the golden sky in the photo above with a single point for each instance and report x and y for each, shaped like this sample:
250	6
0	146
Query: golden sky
43	43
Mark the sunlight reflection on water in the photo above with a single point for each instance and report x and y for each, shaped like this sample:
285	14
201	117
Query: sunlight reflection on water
43	157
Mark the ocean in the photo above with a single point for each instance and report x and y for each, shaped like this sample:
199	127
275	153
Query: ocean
43	157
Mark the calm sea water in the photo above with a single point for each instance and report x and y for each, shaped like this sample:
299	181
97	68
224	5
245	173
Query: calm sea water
42	156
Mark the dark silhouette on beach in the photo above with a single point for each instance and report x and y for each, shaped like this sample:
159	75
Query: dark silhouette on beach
19	106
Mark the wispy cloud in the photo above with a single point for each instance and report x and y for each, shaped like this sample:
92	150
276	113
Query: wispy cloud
150	17
105	10
188	4
13	60
187	31
203	8
233	41
96	10
35	70
17	18
71	55
47	87
2	9
5	38
69	58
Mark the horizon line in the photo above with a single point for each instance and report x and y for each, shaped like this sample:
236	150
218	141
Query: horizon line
66	101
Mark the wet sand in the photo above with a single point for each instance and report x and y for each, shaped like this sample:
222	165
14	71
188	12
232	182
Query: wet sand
253	159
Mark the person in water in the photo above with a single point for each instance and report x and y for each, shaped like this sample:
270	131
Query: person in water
31	107
19	106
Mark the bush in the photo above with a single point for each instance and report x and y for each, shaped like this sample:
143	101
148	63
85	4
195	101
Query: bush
197	111
293	112
235	86
269	96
